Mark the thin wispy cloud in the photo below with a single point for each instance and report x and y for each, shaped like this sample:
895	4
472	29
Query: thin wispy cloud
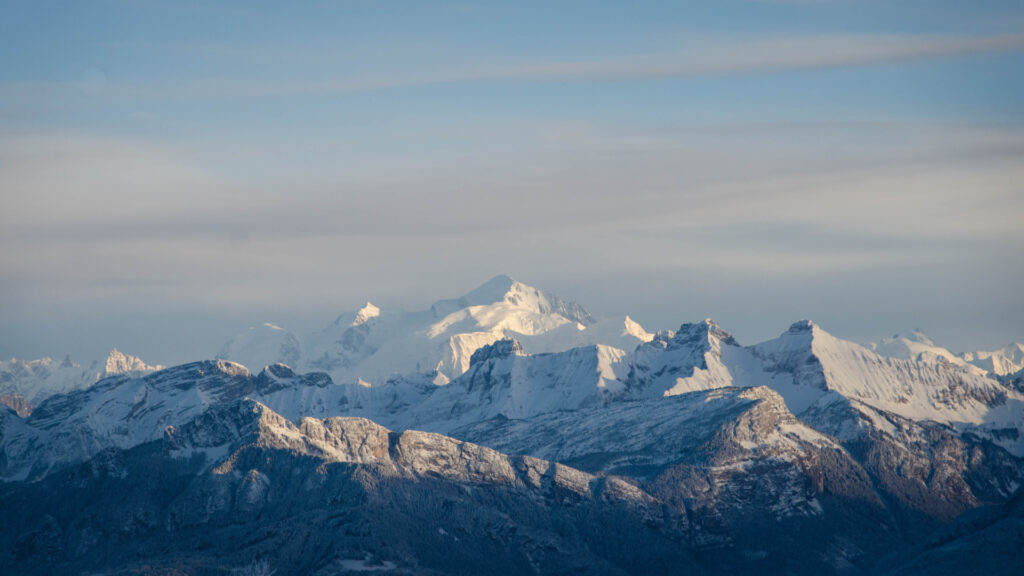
80	195
739	56
167	158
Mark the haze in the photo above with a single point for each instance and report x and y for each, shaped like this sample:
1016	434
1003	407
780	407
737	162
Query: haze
171	172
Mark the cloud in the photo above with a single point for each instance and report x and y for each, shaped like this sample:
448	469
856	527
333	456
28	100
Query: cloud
86	215
114	228
738	56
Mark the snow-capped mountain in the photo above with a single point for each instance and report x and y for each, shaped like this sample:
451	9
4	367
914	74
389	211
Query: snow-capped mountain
118	411
1002	362
815	362
918	346
662	432
118	363
915	345
503	381
807	365
36	380
823	454
261	346
688	360
373	344
715	477
340	495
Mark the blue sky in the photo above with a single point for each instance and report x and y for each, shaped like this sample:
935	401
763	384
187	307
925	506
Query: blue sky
172	172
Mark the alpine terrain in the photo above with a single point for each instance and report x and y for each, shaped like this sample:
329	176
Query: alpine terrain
509	431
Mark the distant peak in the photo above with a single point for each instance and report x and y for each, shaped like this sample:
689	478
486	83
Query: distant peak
704	329
503	289
231	368
500	280
279	370
494	290
916	335
271	326
802	326
500	349
120	363
633	328
365	314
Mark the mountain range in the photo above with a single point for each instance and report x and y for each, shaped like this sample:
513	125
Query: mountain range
508	431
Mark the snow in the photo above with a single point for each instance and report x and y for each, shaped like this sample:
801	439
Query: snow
118	411
418	370
518	386
373	346
120	363
36	380
365	314
632	328
915	345
262	345
1006	360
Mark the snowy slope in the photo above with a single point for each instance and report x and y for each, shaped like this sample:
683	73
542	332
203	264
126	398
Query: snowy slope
118	411
261	346
651	434
124	411
444	338
674	363
119	363
915	345
373	345
947	393
1001	362
503	381
806	364
36	380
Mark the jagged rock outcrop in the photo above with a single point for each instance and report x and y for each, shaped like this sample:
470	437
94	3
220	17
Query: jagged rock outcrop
323	496
803	454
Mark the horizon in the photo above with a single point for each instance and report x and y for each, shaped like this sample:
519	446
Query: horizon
172	173
87	358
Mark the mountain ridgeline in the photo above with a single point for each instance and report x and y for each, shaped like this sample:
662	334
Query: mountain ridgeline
508	431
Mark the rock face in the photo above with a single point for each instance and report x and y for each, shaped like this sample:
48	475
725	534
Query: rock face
325	496
18	403
119	411
689	453
37	380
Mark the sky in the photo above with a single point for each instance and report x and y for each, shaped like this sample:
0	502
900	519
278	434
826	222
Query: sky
174	172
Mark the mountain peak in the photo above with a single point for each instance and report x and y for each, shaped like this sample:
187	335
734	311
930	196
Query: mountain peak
705	329
120	363
494	290
500	349
279	376
915	345
365	314
801	326
504	289
633	328
1006	360
916	335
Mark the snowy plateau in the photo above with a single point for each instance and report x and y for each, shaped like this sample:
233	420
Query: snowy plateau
509	431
